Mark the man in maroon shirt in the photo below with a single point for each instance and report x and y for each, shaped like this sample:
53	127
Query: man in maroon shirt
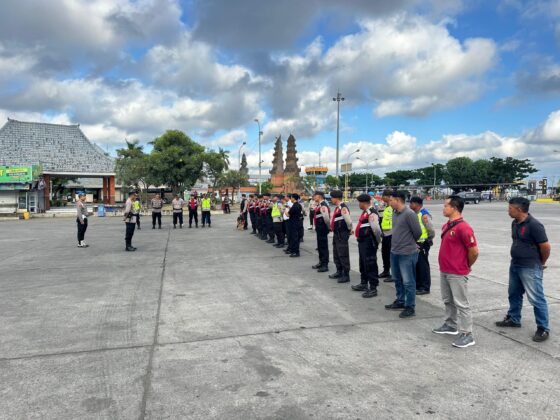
457	254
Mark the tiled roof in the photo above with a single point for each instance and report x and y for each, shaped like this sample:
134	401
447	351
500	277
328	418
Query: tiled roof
57	148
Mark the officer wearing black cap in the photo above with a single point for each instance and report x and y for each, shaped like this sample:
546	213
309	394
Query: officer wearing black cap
368	234
322	222
294	225
341	226
130	220
82	219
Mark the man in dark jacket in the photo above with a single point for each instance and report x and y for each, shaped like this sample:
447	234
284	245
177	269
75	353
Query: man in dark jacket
294	223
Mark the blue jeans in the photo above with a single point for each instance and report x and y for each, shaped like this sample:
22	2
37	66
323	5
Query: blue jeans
403	271
530	280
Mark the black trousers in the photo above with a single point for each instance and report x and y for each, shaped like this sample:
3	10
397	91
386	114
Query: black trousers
138	220
369	272
270	227
193	214
245	219
264	226
177	217
156	217
423	275
253	217
311	217
341	252
293	236
301	229
82	227
206	218
323	245
258	219
279	231
386	252
226	209
129	233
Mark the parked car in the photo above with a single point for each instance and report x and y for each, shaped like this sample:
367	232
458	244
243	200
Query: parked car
470	196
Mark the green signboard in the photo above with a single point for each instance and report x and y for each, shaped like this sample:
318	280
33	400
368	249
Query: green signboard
16	174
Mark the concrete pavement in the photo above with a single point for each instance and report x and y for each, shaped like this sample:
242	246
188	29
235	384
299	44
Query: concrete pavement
213	323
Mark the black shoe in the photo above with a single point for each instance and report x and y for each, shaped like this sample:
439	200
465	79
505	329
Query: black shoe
174	226
316	266
359	287
287	251
153	227
395	306
344	279
508	322
336	275
323	269
388	280
270	241
190	227
294	255
139	228
196	226
541	335
159	227
181	227
279	246
253	233
422	292
202	225
130	248
369	293
385	274
407	313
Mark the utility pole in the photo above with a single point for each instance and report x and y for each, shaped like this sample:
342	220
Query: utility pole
260	159
338	99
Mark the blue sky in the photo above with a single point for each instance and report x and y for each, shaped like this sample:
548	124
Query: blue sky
424	80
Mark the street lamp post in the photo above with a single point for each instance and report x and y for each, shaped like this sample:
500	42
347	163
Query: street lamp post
346	178
435	171
367	162
338	99
260	159
239	162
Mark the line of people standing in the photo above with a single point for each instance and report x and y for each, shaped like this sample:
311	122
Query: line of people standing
405	235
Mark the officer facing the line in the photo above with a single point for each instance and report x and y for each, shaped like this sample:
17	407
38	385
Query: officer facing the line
157	204
387	229
81	219
322	222
341	226
130	220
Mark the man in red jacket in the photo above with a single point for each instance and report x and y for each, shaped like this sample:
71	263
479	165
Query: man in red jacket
193	211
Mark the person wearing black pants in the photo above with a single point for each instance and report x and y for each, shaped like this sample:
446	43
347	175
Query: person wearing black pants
368	235
177	205
387	230
341	226
293	226
278	221
81	220
252	214
423	275
322	221
193	212
157	204
130	220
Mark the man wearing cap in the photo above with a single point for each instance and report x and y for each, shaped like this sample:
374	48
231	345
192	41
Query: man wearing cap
423	276
387	230
341	226
368	234
243	209
157	204
193	211
277	220
322	222
177	205
294	226
81	219
206	210
130	220
258	217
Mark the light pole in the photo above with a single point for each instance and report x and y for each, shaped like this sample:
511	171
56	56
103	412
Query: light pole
260	159
338	99
367	162
346	178
239	154
435	171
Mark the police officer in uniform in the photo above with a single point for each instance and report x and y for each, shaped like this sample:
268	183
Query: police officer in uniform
269	222
130	220
136	206
387	230
193	211
423	275
322	222
278	221
157	204
177	205
368	234
81	219
341	226
295	214
258	216
243	208
206	211
252	214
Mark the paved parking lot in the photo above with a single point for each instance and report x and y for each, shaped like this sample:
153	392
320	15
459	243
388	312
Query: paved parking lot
213	323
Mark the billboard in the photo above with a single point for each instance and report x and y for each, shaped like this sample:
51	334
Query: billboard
16	174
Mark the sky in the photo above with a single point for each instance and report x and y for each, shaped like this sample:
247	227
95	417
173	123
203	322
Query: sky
424	81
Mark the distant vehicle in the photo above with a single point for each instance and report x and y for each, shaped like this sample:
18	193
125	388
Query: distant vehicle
470	196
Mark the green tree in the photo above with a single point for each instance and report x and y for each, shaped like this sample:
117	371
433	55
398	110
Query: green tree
216	164
400	177
460	170
233	179
176	161
131	166
509	169
333	181
425	176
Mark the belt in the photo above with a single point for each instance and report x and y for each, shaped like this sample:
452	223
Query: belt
336	219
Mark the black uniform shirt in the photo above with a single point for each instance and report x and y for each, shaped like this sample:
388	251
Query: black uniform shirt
526	237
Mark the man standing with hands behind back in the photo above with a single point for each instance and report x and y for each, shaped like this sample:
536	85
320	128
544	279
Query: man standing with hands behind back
130	220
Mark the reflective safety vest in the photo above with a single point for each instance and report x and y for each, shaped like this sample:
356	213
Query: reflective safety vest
387	222
136	206
424	235
206	204
276	210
